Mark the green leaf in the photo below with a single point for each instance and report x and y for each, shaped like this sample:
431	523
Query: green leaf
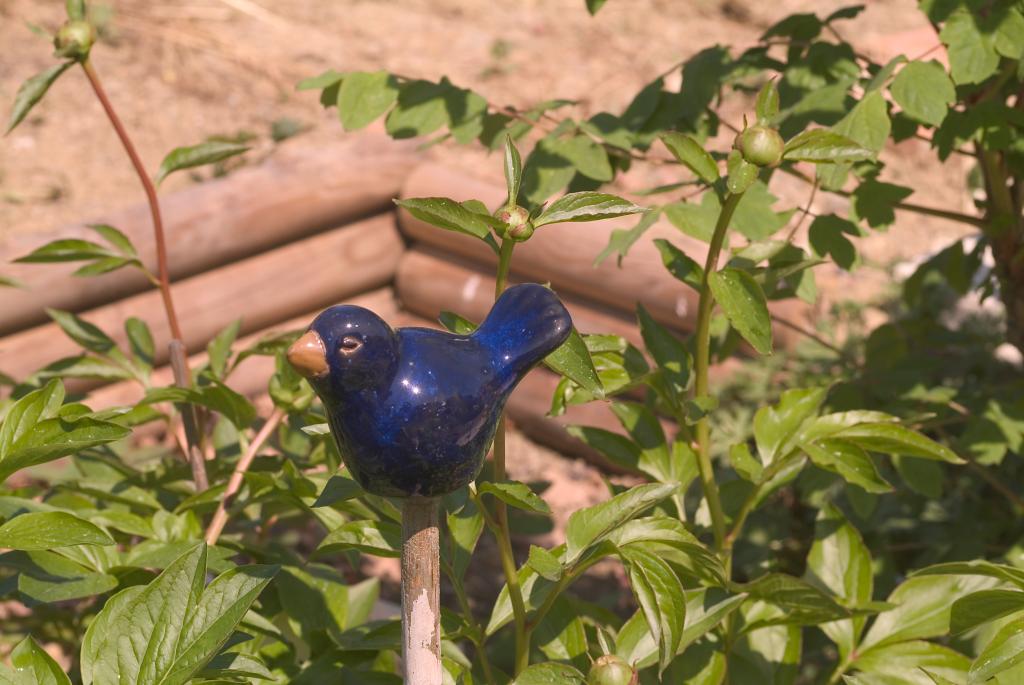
229	667
743	302
47	577
742	174
118	239
341	487
29	410
644	428
803	603
420	110
589	157
679	265
822	145
589	526
325	80
619	449
744	463
924	91
164	632
849	461
513	170
545	563
364	96
660	596
219	349
197	155
516	494
585	206
1004	572
57	437
465	524
776	428
1004	651
875	202
840	562
572	360
982	607
82	332
1009	37
868	125
46	530
33	666
316	597
550	672
668	352
622	239
922	609
692	155
972	52
906	663
66	250
593	6
449	214
32	91
892	438
215	395
380	538
9	282
827	236
767	105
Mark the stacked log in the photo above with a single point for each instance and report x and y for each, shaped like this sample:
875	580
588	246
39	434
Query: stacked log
563	255
297	193
304	230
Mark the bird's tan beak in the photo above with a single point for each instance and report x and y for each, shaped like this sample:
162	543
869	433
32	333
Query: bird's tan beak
308	356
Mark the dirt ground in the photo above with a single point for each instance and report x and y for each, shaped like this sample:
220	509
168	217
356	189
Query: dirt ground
182	70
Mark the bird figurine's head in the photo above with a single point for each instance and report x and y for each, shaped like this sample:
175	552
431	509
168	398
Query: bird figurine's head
414	410
345	348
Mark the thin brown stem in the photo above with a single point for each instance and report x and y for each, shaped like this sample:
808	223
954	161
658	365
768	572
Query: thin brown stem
806	210
807	333
220	517
163	275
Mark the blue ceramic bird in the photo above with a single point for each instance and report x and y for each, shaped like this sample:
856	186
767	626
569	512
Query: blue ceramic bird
414	410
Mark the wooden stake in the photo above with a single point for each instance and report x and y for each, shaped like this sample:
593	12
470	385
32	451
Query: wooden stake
421	592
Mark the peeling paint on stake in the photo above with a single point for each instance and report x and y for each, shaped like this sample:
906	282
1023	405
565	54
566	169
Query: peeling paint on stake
421	593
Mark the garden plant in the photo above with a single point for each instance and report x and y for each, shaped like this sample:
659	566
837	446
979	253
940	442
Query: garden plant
847	512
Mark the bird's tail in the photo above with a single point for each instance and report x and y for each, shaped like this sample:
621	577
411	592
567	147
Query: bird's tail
527	323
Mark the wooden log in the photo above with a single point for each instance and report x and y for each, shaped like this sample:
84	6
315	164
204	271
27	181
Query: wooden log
260	290
429	282
296	193
250	377
564	254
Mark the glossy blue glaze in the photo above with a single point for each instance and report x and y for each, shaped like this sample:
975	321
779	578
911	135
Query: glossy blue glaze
414	410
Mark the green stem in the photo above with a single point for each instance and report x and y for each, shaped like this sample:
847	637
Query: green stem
502	530
508	565
504	262
841	668
701	364
467	613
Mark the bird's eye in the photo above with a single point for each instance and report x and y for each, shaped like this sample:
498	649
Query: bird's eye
350	345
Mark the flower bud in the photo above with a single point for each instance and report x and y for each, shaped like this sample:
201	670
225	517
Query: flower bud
760	145
74	40
518	224
612	670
